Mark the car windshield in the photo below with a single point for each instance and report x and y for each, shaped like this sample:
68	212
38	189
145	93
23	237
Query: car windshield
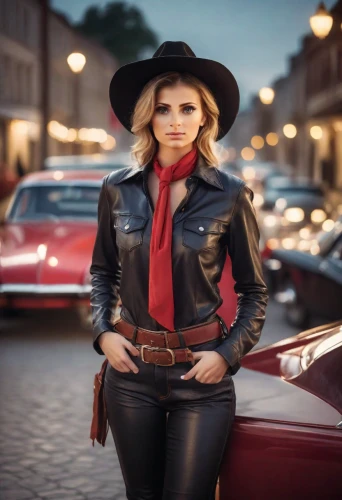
55	202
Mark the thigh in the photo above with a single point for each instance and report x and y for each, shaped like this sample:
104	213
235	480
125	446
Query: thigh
197	433
138	428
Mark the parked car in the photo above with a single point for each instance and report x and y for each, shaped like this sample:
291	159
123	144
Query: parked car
47	240
290	205
101	161
286	440
309	283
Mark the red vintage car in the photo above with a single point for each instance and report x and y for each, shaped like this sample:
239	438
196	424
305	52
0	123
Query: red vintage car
286	442
47	240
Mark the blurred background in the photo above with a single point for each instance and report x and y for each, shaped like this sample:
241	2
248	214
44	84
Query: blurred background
59	137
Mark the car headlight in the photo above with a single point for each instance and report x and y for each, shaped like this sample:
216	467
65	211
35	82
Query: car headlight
281	204
318	216
294	214
270	221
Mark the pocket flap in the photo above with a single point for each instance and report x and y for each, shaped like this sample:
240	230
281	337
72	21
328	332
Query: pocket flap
204	226
128	223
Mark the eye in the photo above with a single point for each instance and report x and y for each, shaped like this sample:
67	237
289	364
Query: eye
162	110
189	109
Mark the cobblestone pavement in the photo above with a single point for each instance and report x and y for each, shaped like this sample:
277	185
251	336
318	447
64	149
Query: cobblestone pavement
47	368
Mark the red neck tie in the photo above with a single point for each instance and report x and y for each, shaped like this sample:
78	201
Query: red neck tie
161	303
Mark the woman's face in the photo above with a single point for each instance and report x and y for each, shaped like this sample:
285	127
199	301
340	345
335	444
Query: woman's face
177	116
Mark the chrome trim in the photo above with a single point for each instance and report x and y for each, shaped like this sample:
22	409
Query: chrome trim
339	425
31	289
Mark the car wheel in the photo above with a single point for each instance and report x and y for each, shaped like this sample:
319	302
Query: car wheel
296	313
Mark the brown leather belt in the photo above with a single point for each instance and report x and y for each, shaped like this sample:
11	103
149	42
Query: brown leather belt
166	348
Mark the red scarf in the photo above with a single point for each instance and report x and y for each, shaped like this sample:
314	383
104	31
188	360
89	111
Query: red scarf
161	305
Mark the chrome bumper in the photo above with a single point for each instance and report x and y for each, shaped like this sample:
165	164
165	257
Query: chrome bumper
28	289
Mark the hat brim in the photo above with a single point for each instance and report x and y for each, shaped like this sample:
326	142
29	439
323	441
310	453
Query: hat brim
129	80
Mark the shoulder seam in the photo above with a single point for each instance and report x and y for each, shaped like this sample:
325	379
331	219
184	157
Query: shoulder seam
242	184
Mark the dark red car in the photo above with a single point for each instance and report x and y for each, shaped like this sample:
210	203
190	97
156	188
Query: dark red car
286	442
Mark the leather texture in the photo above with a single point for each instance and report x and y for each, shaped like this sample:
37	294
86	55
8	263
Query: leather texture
170	434
217	215
185	337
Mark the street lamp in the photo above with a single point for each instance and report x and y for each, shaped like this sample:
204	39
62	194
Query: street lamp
76	62
266	95
321	23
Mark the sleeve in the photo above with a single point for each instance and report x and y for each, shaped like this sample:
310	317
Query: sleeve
105	270
243	247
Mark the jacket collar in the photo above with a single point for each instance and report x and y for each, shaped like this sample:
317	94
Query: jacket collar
202	171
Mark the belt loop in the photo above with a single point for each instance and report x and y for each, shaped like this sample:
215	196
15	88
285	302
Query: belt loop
134	338
181	339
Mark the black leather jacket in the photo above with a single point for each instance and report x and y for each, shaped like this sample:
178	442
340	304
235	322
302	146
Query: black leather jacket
215	216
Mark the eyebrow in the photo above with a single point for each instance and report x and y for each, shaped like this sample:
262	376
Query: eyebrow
184	104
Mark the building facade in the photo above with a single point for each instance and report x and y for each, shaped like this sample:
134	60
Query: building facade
74	102
310	98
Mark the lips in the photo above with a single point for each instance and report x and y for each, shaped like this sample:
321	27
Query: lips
176	134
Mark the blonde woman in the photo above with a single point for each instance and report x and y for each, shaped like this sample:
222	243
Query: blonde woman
165	228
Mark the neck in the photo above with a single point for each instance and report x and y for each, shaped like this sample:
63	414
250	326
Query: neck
168	156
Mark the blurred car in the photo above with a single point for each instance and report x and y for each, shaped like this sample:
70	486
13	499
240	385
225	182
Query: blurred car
309	283
290	205
287	433
47	240
98	161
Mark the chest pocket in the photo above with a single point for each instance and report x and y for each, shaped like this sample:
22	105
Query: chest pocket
202	233
129	230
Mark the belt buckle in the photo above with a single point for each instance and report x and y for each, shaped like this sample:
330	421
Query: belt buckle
158	349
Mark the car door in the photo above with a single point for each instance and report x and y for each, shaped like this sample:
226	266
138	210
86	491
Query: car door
268	460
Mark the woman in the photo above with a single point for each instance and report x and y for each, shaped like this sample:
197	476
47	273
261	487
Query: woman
164	231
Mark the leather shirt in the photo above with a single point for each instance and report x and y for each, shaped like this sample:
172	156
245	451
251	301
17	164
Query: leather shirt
216	216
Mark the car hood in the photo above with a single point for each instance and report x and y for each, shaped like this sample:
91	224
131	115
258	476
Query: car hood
46	252
309	360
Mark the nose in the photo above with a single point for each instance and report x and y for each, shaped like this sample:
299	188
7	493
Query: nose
176	120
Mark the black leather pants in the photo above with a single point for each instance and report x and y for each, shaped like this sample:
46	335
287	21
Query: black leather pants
169	433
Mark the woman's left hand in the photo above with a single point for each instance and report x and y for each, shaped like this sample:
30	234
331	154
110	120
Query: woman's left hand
209	369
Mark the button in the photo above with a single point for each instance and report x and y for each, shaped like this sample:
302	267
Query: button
201	228
127	226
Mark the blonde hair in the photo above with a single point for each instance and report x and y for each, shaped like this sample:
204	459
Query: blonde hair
146	144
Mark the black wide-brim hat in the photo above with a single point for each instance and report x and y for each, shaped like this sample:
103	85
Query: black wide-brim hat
129	80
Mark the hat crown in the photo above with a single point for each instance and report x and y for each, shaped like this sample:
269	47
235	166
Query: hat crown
174	49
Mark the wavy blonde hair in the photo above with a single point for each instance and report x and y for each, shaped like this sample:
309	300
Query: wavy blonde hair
146	144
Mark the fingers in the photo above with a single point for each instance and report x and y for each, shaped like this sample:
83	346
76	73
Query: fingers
131	348
191	373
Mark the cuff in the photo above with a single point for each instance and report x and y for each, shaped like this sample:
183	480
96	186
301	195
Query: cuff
230	354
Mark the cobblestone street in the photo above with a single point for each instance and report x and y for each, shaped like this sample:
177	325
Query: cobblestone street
47	369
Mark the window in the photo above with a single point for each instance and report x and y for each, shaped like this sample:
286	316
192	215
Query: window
55	202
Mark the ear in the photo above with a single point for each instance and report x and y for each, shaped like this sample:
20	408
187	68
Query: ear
203	120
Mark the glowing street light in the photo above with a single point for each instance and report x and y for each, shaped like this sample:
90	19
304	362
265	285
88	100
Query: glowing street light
316	132
257	142
76	62
321	23
272	139
290	130
266	95
248	154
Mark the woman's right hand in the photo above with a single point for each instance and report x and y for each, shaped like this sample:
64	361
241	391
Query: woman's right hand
114	346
